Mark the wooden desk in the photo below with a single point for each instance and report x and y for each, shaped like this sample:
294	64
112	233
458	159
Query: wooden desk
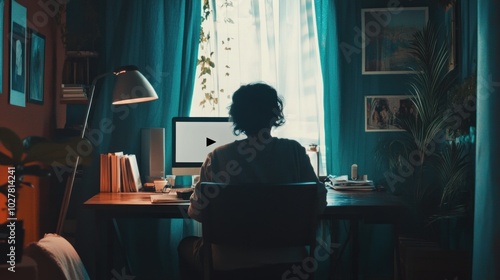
356	206
369	207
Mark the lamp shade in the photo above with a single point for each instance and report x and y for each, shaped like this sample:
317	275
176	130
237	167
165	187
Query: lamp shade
132	87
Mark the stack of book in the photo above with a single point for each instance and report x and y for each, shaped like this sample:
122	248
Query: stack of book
119	173
343	183
74	92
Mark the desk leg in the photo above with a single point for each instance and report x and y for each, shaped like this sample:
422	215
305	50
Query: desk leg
355	248
104	248
334	239
99	260
121	244
397	257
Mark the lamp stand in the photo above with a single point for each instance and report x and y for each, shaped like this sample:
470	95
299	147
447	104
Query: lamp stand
71	180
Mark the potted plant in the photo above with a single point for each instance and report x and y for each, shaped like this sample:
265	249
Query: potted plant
432	167
30	156
418	149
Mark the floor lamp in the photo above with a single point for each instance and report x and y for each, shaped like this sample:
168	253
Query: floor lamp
130	87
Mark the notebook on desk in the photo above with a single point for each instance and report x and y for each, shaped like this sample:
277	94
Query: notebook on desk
166	198
353	187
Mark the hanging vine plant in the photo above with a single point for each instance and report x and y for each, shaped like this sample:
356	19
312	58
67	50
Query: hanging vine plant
205	62
206	58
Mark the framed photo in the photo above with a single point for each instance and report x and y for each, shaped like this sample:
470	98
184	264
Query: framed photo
18	55
451	12
36	67
383	111
386	36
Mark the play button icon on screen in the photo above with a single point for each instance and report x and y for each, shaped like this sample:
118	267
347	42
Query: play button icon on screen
210	142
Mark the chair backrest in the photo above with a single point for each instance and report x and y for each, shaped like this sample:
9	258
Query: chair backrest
256	215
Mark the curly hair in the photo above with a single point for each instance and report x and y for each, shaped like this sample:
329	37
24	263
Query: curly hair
255	107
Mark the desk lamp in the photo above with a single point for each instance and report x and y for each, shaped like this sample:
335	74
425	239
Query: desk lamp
130	87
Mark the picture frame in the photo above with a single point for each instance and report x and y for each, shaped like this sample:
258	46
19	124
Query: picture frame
18	55
36	67
383	111
386	37
451	13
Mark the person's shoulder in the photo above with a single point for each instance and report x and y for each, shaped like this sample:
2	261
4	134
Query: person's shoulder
227	147
289	142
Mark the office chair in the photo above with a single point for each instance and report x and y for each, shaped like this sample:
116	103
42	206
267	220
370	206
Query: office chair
258	216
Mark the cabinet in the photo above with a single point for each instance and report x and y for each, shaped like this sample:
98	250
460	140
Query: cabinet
26	269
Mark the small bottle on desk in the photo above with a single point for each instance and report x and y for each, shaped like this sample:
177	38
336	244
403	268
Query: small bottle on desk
354	172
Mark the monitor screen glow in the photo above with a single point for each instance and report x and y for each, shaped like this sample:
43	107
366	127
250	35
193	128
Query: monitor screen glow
193	138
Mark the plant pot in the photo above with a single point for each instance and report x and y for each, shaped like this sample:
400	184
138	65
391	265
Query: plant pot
426	260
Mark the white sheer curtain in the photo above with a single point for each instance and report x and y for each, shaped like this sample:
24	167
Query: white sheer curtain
271	41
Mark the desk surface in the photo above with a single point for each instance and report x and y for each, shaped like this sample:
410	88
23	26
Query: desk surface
340	204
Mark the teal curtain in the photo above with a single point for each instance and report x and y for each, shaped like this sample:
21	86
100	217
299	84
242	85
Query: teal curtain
345	139
161	38
486	252
326	21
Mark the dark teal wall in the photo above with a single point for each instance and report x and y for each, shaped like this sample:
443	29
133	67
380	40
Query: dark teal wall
82	25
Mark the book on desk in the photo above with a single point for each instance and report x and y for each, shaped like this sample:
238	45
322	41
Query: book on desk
119	173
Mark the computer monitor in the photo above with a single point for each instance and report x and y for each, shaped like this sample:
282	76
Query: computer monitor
194	137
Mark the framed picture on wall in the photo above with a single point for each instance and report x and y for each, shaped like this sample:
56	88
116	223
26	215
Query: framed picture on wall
18	71
386	35
36	67
383	112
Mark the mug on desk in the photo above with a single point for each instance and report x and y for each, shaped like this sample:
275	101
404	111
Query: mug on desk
160	185
170	180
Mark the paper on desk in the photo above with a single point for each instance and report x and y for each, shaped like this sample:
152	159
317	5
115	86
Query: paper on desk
165	198
351	187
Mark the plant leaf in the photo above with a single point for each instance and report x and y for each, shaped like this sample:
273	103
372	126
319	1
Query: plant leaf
6	160
49	153
12	142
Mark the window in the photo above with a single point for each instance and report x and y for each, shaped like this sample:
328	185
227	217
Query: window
271	41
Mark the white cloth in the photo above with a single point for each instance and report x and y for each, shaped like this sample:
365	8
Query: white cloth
57	259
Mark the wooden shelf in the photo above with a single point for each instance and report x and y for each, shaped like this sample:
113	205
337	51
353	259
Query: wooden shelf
74	101
79	67
81	54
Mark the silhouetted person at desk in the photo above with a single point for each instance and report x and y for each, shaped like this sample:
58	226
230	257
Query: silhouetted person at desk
260	158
